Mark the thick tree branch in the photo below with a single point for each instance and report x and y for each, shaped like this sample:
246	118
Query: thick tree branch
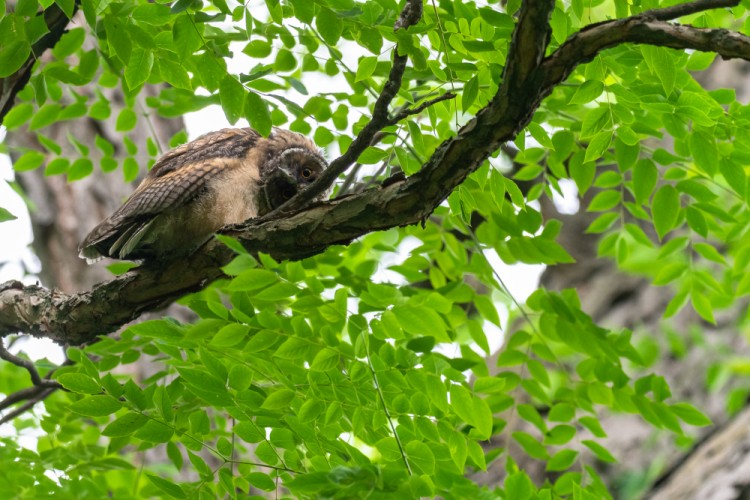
583	46
79	318
11	85
410	15
685	9
528	45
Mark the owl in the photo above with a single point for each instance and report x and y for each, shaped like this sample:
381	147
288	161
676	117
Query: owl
221	178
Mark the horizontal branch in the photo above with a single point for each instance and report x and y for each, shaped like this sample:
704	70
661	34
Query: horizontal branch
686	9
583	46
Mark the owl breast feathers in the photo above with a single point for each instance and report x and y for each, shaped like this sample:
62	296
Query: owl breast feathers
221	178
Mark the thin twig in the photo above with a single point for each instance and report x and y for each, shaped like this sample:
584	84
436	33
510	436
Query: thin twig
414	111
385	407
28	365
41	395
685	9
410	15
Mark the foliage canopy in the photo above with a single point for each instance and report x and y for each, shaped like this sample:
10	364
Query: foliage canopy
330	377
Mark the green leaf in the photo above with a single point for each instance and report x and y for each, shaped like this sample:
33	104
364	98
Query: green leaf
665	209
587	92
240	377
125	425
366	68
645	175
704	151
67	6
186	35
662	63
69	43
126	120
278	400
80	383
422	321
605	200
562	460
96	406
277	292
230	335
702	305
80	169
304	10
256	112
253	279
174	74
12	56
326	359
530	445
595	121
168	487
329	26
603	222
248	432
5	215
420	455
158	329
474	411
26	8
598	145
261	481
734	174
28	161
18	115
690	414
232	96
139	66
600	451
709	252
470	93
154	432
388	447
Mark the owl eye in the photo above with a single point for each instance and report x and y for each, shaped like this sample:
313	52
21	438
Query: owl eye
306	173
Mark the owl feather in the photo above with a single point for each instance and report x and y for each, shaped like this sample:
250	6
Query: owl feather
221	178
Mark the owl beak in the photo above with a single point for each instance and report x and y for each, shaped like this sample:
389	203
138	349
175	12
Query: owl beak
288	174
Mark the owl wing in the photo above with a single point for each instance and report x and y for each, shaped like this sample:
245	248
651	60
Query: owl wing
119	234
175	179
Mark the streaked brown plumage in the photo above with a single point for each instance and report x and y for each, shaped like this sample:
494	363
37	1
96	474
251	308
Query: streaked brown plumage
221	178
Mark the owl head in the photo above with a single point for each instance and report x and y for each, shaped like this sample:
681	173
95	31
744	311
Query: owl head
289	171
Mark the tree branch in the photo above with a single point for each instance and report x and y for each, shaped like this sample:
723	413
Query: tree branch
418	109
528	45
42	387
35	395
410	15
685	9
28	366
586	44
